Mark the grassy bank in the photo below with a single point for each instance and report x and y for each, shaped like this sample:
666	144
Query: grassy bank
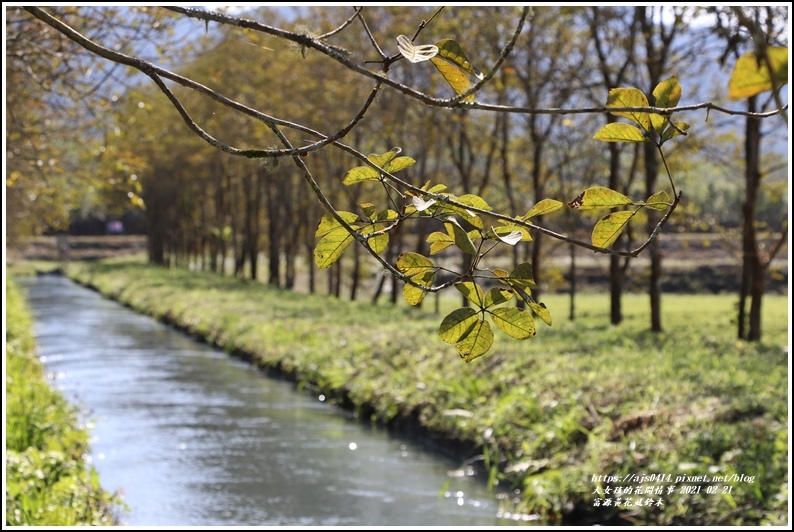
47	482
544	416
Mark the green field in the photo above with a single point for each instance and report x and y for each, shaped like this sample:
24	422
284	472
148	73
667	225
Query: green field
47	481
545	416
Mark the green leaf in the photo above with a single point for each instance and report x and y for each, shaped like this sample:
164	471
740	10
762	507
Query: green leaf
751	76
439	241
510	238
514	322
473	200
399	163
413	294
521	278
541	312
379	243
544	206
455	66
608	228
359	174
452	52
468	215
497	296
435	189
507	229
472	292
459	236
659	201
383	159
671	131
630	97
599	198
456	78
328	223
387	215
411	264
500	273
368	209
477	342
667	94
457	324
619	132
331	246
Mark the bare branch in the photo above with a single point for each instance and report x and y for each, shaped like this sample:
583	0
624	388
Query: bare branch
344	25
371	37
156	73
332	52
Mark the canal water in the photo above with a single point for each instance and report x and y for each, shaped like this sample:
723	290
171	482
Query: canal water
192	437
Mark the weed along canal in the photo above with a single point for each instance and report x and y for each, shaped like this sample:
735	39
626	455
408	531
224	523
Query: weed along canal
192	437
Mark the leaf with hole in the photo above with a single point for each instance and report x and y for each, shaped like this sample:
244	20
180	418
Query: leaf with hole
599	198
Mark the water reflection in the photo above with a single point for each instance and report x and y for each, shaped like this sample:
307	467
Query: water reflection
192	437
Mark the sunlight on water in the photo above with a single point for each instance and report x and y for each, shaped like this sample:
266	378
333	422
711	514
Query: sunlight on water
194	438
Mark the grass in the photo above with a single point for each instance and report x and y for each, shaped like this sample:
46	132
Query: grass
541	416
47	482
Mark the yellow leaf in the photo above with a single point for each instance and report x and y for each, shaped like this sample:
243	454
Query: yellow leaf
751	76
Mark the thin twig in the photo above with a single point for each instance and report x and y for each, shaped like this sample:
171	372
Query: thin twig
152	70
344	25
502	57
371	37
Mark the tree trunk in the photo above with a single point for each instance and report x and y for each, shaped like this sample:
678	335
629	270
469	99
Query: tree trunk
355	274
654	248
752	267
572	276
615	271
273	232
538	186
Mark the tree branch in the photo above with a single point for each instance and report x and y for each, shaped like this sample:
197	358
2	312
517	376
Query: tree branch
310	42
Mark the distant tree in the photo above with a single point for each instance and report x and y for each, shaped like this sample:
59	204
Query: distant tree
760	33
